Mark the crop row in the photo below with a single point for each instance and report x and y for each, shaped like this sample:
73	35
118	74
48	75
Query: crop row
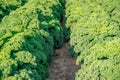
95	37
6	6
28	37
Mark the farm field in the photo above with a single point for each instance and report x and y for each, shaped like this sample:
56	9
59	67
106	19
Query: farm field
59	39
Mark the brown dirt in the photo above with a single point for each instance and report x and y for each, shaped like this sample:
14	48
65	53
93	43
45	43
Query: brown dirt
63	65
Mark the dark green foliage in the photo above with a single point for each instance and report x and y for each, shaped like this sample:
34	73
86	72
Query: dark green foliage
35	16
28	36
66	33
8	5
28	49
62	2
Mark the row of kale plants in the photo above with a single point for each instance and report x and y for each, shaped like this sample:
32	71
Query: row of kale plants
94	30
6	6
30	30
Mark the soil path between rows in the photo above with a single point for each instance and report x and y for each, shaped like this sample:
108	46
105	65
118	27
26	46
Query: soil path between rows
63	65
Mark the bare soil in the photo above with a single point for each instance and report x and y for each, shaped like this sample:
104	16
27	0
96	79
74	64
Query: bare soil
63	65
